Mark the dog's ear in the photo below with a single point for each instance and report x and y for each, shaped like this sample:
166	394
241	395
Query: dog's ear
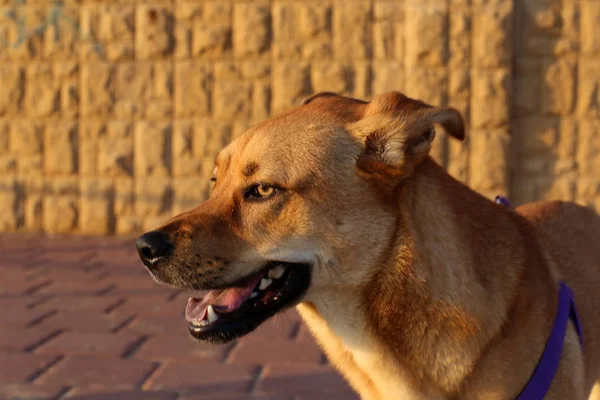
316	96
398	132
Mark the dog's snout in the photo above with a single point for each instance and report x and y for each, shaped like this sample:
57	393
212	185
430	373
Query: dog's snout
153	246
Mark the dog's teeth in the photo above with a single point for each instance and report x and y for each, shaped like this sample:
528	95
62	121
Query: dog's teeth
264	283
277	272
212	315
253	295
200	322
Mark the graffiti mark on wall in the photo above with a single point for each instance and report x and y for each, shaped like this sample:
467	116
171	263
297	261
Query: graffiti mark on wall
56	19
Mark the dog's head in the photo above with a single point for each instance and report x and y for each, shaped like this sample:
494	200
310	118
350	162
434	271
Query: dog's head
302	207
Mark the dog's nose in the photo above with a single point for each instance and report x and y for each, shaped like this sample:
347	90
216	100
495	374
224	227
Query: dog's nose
152	246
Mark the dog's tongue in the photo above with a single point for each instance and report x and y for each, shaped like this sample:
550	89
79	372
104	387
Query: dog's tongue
223	300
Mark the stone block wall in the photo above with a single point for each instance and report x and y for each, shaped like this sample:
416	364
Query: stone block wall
111	111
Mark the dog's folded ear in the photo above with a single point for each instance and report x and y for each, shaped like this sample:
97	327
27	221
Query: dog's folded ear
398	132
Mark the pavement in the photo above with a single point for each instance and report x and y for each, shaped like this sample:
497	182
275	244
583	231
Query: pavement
80	318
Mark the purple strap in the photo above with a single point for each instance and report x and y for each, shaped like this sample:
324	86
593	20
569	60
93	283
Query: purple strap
544	372
503	201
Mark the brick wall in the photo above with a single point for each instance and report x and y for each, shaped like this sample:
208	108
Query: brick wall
111	111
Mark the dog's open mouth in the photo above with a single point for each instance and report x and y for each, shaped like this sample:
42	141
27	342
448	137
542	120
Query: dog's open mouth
222	315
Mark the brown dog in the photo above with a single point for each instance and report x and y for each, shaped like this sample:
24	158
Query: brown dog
415	286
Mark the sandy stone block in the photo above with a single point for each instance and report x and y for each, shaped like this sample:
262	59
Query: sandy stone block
154	31
128	225
536	136
426	44
60	148
12	80
330	77
152	146
192	89
232	99
427	84
492	41
96	207
588	102
107	31
588	192
61	36
209	139
90	132
97	90
26	137
261	101
590	20
8	202
388	76
489	100
33	191
558	91
588	153
42	91
528	85
60	206
124	197
291	84
489	151
352	43
189	193
115	150
185	163
251	28
153	197
211	40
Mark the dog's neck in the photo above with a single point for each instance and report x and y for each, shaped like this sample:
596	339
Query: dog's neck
449	285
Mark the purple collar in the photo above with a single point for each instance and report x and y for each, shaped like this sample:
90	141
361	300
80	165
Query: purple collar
544	372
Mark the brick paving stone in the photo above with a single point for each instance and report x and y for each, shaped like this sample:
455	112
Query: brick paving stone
17	367
83	321
29	391
169	347
203	378
90	370
20	317
13	338
275	351
79	303
306	380
16	280
76	285
133	284
71	256
152	304
16	303
330	396
235	396
110	344
110	393
278	327
158	324
304	333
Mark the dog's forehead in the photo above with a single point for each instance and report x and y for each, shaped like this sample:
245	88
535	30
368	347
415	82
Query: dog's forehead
302	126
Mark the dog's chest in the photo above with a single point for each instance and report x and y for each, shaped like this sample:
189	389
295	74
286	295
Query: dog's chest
371	370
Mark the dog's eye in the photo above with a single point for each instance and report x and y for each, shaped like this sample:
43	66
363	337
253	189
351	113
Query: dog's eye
260	191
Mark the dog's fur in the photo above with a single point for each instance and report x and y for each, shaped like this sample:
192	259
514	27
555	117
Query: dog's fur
421	288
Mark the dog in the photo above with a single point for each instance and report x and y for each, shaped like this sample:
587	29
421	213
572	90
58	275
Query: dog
415	286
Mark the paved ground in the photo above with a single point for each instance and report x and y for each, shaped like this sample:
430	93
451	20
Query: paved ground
81	319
